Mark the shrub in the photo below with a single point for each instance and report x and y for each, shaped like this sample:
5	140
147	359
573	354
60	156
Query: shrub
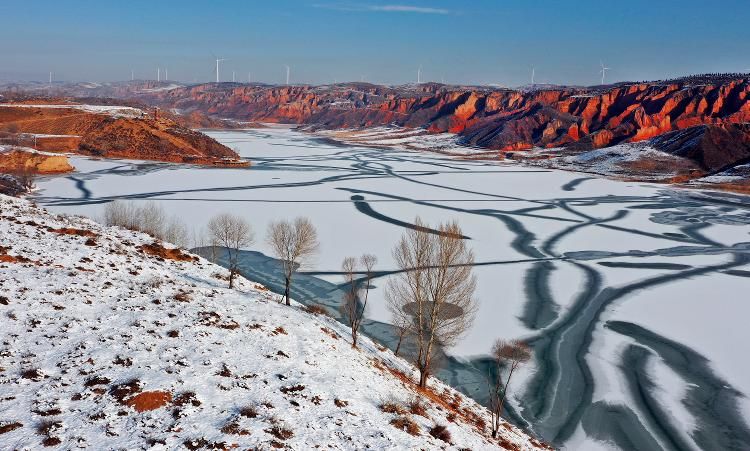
7	427
406	424
234	428
418	407
317	310
393	407
249	412
441	432
280	432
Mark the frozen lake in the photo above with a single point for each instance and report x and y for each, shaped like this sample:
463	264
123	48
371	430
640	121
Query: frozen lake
633	296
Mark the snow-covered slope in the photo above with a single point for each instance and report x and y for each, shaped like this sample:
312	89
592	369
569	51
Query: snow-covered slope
106	344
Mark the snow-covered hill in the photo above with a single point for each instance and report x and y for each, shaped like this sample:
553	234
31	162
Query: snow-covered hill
111	341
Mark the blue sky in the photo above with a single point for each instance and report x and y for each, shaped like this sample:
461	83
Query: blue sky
478	41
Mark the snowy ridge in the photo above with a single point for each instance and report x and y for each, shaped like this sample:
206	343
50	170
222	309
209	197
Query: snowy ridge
114	111
105	346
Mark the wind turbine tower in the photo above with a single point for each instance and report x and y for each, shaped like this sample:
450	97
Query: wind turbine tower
218	60
419	75
232	76
132	75
604	70
287	75
158	74
50	78
533	75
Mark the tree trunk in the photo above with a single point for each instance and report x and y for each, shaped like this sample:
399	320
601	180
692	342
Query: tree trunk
231	278
505	390
398	345
286	290
423	374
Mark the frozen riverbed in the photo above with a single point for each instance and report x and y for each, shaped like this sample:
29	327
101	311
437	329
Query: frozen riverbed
632	295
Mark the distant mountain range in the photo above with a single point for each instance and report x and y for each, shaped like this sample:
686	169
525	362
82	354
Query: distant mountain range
703	118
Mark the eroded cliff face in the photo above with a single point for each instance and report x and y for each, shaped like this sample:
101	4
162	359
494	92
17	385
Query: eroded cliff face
23	161
493	118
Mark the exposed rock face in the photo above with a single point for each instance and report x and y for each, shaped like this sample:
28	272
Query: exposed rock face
33	162
493	118
142	135
714	147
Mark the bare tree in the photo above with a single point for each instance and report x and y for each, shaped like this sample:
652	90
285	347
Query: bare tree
175	232
233	233
359	290
435	288
512	354
293	243
120	214
151	219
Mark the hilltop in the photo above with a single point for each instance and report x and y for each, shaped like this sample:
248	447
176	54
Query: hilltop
107	130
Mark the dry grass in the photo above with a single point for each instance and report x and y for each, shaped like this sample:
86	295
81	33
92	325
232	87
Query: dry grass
393	407
280	432
317	310
418	407
7	427
249	412
406	424
441	432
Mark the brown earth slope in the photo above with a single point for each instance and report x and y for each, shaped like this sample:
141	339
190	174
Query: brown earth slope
130	133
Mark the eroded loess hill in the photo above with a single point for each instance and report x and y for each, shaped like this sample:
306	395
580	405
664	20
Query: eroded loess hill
112	341
110	131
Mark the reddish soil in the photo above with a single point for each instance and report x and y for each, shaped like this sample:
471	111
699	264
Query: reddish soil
149	400
160	251
71	231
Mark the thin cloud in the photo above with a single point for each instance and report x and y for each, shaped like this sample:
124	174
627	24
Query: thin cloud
383	8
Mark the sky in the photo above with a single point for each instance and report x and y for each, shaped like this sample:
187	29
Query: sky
460	42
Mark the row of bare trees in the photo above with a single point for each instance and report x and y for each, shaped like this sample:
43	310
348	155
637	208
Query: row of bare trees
292	242
148	218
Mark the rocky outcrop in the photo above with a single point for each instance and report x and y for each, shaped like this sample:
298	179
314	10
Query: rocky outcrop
116	132
714	147
19	160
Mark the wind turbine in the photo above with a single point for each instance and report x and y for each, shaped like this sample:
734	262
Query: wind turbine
232	76
132	75
249	78
158	74
50	78
604	70
218	60
533	75
166	74
287	74
419	74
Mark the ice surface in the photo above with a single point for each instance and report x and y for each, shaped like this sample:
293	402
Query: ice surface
524	224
